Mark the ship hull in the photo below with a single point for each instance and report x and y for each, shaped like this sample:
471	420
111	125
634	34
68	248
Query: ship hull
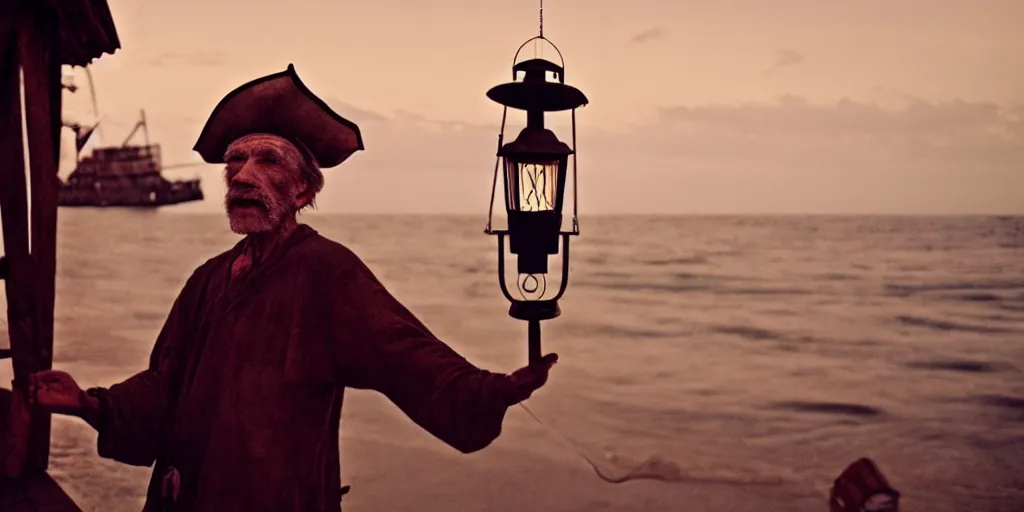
125	176
70	197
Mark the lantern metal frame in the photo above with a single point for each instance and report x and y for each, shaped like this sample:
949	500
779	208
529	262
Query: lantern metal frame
534	311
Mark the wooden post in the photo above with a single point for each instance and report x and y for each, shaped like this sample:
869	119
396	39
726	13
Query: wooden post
36	37
14	210
38	40
27	40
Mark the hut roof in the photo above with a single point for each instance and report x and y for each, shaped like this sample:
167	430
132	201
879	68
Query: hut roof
86	30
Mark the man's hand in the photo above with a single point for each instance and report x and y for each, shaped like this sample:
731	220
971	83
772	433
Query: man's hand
55	392
528	379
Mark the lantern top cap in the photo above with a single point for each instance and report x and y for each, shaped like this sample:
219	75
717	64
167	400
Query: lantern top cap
534	92
542	96
539	65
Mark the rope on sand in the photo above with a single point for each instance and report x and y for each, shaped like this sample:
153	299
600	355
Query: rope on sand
656	468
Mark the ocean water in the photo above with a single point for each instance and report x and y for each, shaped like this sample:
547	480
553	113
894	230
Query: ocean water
748	360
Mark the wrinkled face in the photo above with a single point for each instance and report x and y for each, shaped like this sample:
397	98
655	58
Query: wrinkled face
265	184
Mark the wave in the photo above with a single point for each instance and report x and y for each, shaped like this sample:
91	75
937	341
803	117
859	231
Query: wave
692	260
954	365
905	290
943	325
1011	403
753	333
837	408
689	287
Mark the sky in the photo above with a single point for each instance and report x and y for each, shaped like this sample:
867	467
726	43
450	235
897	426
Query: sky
705	107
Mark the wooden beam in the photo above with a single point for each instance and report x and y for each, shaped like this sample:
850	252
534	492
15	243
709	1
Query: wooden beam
14	210
5	407
36	493
38	41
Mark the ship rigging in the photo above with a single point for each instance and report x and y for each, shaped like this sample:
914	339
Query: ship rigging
129	175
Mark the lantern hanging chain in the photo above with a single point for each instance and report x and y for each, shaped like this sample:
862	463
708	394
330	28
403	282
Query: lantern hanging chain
494	181
542	19
575	181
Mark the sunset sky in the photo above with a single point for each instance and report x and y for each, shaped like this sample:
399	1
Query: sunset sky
726	106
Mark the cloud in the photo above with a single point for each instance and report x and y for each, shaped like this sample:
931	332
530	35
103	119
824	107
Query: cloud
955	132
785	59
786	132
651	34
355	114
193	59
784	155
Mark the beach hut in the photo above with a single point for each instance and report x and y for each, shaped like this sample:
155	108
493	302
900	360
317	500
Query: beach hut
37	37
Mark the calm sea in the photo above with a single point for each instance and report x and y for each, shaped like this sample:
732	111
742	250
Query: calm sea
752	357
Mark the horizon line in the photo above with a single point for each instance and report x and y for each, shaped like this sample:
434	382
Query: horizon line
499	216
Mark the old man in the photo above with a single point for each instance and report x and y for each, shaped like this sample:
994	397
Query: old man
240	407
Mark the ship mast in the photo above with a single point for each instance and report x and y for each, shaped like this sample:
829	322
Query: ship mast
140	124
95	108
82	133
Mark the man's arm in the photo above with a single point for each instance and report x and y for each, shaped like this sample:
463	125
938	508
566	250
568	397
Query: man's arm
382	346
131	417
134	416
90	411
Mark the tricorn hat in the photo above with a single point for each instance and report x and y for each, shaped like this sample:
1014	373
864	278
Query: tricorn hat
279	104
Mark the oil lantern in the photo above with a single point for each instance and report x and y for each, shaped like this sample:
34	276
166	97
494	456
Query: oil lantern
534	168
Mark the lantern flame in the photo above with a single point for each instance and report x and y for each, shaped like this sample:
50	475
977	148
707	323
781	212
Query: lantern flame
537	185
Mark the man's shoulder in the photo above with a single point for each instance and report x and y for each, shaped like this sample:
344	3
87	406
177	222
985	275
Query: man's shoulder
201	274
314	253
318	248
324	258
222	261
219	260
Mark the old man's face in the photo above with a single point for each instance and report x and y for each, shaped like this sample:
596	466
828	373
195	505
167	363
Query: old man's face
264	177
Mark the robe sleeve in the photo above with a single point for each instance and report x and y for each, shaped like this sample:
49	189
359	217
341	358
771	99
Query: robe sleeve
135	414
380	345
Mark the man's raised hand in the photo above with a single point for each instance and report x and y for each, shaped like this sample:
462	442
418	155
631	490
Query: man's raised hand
530	378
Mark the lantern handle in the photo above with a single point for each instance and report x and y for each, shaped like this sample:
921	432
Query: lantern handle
561	67
575	180
494	182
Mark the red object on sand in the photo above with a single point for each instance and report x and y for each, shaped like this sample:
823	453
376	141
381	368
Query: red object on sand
863	488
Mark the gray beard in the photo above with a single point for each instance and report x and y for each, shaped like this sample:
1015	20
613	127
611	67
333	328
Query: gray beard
264	223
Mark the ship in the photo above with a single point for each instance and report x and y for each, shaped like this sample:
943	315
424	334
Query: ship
129	175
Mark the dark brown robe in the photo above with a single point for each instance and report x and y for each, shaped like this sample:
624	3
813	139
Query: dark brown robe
244	390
